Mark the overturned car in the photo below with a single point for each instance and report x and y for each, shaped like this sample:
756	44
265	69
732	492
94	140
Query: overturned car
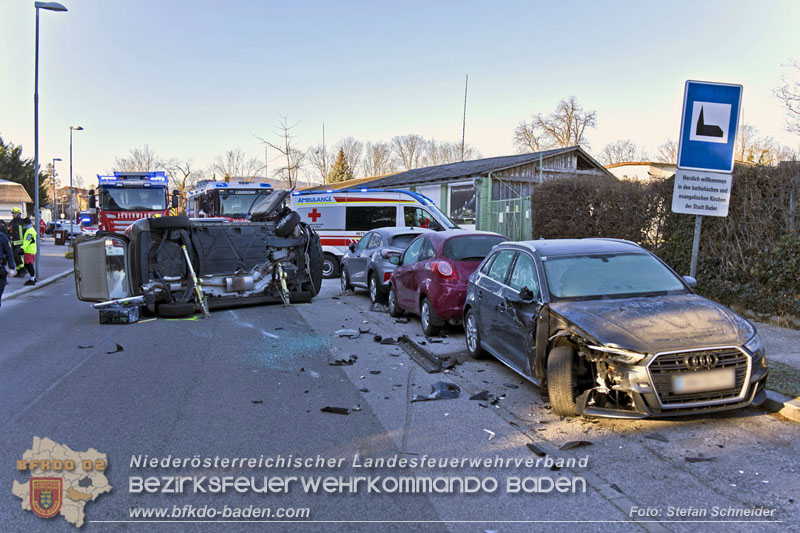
610	330
176	265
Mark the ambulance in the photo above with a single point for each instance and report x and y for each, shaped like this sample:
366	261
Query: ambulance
344	216
218	199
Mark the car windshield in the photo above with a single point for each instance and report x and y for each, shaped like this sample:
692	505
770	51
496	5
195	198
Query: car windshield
238	202
592	277
470	247
402	241
133	199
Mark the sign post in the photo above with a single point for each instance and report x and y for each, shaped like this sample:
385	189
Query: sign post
703	181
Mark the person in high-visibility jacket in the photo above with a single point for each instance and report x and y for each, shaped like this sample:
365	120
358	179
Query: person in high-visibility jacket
29	249
16	230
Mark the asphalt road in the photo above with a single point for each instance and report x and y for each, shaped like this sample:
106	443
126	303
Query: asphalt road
252	381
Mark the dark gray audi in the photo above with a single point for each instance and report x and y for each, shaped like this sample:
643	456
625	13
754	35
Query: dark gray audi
611	330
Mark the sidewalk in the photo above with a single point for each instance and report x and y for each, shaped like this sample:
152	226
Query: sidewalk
51	262
782	344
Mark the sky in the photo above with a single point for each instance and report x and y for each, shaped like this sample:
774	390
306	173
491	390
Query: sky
193	79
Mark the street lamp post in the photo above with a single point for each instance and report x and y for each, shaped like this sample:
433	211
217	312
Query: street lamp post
50	6
54	209
71	215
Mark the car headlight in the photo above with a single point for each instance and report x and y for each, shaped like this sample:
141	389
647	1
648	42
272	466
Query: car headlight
754	346
619	355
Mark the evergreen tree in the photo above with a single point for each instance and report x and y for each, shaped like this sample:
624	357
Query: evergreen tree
340	171
14	168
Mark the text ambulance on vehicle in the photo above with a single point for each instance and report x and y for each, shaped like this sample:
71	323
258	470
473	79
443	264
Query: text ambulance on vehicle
125	197
218	199
343	217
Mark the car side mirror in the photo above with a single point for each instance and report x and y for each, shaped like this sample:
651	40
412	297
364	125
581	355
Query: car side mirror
176	198
395	259
526	294
690	281
352	247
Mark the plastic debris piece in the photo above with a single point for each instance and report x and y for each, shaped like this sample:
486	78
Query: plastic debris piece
119	348
434	341
84	347
510	385
483	395
537	450
375	372
257	401
336	410
349	333
379	308
441	390
490	432
313	374
699	459
388	340
279	328
364	389
616	488
342	362
363	329
356	408
656	436
575	444
377	338
402	320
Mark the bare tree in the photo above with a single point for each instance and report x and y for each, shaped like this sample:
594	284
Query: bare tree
352	151
442	153
321	161
668	152
789	94
408	150
564	127
142	159
236	164
291	156
182	177
377	159
622	151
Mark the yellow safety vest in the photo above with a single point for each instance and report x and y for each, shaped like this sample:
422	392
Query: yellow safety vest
29	241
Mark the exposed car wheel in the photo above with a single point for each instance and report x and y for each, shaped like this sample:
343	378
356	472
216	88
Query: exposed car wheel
376	295
176	310
345	280
287	223
394	309
429	318
473	336
316	260
560	380
178	222
330	266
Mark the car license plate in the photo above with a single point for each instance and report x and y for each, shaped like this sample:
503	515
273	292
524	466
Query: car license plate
709	380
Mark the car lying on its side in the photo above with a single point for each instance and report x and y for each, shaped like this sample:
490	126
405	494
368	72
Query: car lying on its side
272	258
432	273
611	330
367	264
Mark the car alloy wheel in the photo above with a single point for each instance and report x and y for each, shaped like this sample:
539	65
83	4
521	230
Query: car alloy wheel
425	314
473	337
345	281
373	289
394	310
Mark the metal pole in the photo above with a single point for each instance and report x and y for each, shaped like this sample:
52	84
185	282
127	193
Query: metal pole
54	208
36	151
464	121
70	182
698	221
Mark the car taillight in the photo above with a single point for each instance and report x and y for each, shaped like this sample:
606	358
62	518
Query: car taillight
445	270
386	276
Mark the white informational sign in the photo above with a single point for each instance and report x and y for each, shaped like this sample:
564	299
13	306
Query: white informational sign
701	193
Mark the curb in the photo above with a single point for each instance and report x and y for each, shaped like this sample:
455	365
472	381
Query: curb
39	285
783	405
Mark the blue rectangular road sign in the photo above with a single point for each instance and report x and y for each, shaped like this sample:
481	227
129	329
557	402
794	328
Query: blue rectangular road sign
708	126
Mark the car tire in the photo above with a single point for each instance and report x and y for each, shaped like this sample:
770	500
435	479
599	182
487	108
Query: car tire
560	380
394	310
345	280
176	310
178	222
330	266
287	223
473	336
430	320
376	295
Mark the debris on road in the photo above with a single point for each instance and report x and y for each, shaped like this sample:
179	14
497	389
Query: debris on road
119	348
490	432
342	362
432	364
363	389
575	444
84	347
356	408
375	372
363	329
656	436
510	385
537	450
388	340
483	395
257	401
313	374
336	410
699	459
441	390
349	333
402	320
379	308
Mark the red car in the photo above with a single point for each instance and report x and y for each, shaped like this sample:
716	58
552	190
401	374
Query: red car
432	274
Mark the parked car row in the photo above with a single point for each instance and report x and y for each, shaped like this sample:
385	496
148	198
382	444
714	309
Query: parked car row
603	325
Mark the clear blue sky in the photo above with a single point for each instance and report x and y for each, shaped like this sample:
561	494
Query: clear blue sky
194	79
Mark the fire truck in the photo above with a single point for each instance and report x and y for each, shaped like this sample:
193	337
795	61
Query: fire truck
125	197
218	199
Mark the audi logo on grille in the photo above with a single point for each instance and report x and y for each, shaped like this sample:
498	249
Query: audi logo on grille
705	360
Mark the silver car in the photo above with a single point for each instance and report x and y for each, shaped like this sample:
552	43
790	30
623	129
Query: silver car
367	264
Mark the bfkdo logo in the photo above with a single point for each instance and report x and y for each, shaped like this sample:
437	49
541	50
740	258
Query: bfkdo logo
46	495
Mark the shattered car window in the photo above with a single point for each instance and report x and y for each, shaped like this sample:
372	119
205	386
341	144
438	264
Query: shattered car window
610	275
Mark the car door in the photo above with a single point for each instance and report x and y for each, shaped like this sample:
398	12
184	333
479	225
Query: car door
403	274
423	272
518	316
491	313
101	269
357	261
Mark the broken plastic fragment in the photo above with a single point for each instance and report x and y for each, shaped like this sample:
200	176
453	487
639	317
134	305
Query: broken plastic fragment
364	389
699	459
257	401
440	390
575	444
375	372
402	320
313	374
491	433
350	333
483	395
336	410
341	362
388	340
510	385
363	329
535	449
119	348
84	347
656	436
